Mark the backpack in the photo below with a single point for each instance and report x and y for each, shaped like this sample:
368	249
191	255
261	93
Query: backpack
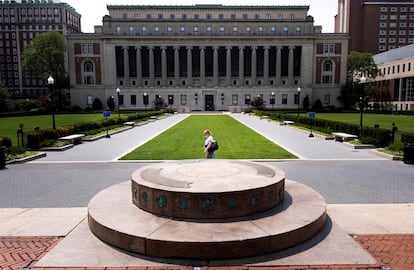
214	146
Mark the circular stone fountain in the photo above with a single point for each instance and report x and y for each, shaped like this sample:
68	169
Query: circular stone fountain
206	209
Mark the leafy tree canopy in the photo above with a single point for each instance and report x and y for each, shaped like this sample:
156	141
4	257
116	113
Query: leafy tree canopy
46	56
361	64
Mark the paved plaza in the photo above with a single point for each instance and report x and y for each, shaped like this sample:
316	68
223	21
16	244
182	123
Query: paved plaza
366	194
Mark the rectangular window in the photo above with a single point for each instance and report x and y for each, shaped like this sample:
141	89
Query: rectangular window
328	48
131	31
246	99
195	30
248	31
196	16
133	100
121	100
284	98
273	30
183	99
89	100
118	30
235	31
298	30
157	30
222	31
327	79
268	16
260	31
234	99
172	16
182	30
285	30
169	30
209	30
170	99
233	16
144	31
327	99
160	16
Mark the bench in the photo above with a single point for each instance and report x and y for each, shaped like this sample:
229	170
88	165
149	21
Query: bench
73	139
285	123
131	124
343	137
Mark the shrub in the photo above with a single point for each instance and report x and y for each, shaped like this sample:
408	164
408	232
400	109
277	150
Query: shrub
397	146
5	141
50	134
33	140
65	130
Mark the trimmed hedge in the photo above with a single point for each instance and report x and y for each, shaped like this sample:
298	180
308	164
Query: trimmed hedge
378	136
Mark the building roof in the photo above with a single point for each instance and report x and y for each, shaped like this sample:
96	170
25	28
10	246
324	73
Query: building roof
206	6
395	54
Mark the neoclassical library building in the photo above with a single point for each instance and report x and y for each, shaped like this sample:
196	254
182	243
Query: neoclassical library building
207	58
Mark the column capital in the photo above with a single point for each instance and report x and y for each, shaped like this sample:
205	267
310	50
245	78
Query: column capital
241	48
229	47
137	48
202	48
189	48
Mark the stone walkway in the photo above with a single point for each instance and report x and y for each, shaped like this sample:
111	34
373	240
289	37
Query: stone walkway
393	250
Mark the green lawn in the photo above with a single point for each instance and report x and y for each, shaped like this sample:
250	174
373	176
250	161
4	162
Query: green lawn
9	125
403	122
185	141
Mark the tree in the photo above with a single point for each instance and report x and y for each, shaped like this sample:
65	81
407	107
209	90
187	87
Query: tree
46	57
4	96
258	103
360	64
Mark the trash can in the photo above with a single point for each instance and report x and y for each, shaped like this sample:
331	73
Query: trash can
2	157
409	154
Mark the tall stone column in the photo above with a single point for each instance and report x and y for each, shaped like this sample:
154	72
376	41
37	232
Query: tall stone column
290	65
164	65
241	65
139	66
202	65
126	65
177	65
189	65
266	66
228	65
278	65
215	65
254	65
151	66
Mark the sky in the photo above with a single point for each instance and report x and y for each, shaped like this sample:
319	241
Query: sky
92	11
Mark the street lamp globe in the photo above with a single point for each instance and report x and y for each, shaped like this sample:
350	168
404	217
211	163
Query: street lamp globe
50	80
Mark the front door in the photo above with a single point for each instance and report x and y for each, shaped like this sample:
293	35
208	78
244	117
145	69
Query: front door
209	103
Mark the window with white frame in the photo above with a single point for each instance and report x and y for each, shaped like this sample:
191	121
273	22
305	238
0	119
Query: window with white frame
328	48
88	72
235	30
260	31
248	30
235	99
182	30
144	30
327	72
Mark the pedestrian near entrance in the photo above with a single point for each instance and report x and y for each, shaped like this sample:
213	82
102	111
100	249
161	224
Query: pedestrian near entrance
208	144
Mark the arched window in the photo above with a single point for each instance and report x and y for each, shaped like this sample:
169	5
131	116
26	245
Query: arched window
88	73
88	66
328	72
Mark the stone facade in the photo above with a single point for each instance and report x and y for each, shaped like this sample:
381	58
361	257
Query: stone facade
207	57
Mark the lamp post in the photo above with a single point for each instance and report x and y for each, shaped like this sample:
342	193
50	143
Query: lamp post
272	99
51	83
145	100
361	102
298	91
117	92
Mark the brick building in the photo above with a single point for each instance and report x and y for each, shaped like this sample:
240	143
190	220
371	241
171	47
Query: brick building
376	26
207	57
396	84
20	22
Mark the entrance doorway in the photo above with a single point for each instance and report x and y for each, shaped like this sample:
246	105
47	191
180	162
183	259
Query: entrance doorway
209	104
